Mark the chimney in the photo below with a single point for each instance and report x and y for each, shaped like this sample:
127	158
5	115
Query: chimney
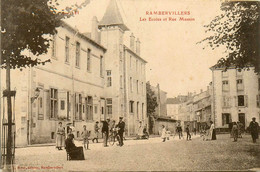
138	46
94	30
132	42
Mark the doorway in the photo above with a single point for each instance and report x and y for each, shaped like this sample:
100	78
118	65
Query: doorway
241	118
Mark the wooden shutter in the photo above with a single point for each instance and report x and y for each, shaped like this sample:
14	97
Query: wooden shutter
48	103
41	106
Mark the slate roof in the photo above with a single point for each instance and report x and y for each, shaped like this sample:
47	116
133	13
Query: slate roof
112	17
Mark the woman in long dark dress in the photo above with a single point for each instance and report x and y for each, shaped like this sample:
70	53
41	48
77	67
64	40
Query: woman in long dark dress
76	153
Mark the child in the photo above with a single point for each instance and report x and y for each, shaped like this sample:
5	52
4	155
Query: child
85	135
168	133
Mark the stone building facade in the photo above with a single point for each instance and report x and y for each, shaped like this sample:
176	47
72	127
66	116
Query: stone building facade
235	96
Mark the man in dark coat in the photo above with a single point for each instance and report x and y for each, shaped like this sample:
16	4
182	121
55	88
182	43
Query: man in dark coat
105	131
253	127
179	130
121	126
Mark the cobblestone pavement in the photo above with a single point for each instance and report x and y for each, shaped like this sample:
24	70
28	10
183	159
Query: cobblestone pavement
148	155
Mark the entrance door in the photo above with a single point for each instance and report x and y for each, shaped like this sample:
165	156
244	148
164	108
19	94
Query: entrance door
241	118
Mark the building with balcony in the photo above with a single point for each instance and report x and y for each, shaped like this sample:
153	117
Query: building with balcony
235	96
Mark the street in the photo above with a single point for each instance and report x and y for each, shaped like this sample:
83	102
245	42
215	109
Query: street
147	155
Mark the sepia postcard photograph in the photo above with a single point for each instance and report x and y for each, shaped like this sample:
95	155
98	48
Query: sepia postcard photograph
129	85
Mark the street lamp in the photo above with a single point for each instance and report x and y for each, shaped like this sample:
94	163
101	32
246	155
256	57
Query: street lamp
36	94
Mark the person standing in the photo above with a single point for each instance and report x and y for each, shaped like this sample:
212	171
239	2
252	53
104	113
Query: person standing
96	132
179	130
163	135
60	136
121	126
195	130
140	131
105	131
188	133
235	131
254	127
85	135
212	133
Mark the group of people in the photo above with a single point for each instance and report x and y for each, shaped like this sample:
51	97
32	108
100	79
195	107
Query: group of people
208	134
117	129
76	153
237	130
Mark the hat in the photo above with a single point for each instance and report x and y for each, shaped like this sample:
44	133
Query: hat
253	118
97	122
108	118
120	117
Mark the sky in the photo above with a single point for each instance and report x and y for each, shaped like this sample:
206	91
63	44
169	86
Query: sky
174	59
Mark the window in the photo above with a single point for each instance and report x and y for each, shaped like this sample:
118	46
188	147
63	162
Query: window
142	87
224	74
137	86
258	100
142	110
96	108
68	105
52	135
130	61
137	110
226	101
101	66
80	107
77	54
121	81
240	84
109	106
67	49
241	100
131	84
54	103
109	78
136	65
131	106
62	105
89	108
53	48
239	72
225	86
89	60
226	119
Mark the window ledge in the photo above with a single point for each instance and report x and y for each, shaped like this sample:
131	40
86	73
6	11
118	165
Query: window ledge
77	67
67	63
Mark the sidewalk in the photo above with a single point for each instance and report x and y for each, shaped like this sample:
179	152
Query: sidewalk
79	140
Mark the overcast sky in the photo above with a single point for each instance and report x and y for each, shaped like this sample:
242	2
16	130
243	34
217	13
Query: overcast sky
175	61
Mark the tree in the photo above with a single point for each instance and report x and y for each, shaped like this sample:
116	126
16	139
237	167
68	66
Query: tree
237	29
24	26
151	104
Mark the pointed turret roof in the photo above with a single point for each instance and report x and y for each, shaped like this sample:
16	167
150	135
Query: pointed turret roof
112	17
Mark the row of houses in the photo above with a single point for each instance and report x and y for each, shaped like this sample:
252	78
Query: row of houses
91	77
233	95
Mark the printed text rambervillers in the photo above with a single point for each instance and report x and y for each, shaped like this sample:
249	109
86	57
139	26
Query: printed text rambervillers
167	12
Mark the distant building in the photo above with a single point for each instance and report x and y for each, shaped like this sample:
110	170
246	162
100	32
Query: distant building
202	108
160	117
236	96
173	106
